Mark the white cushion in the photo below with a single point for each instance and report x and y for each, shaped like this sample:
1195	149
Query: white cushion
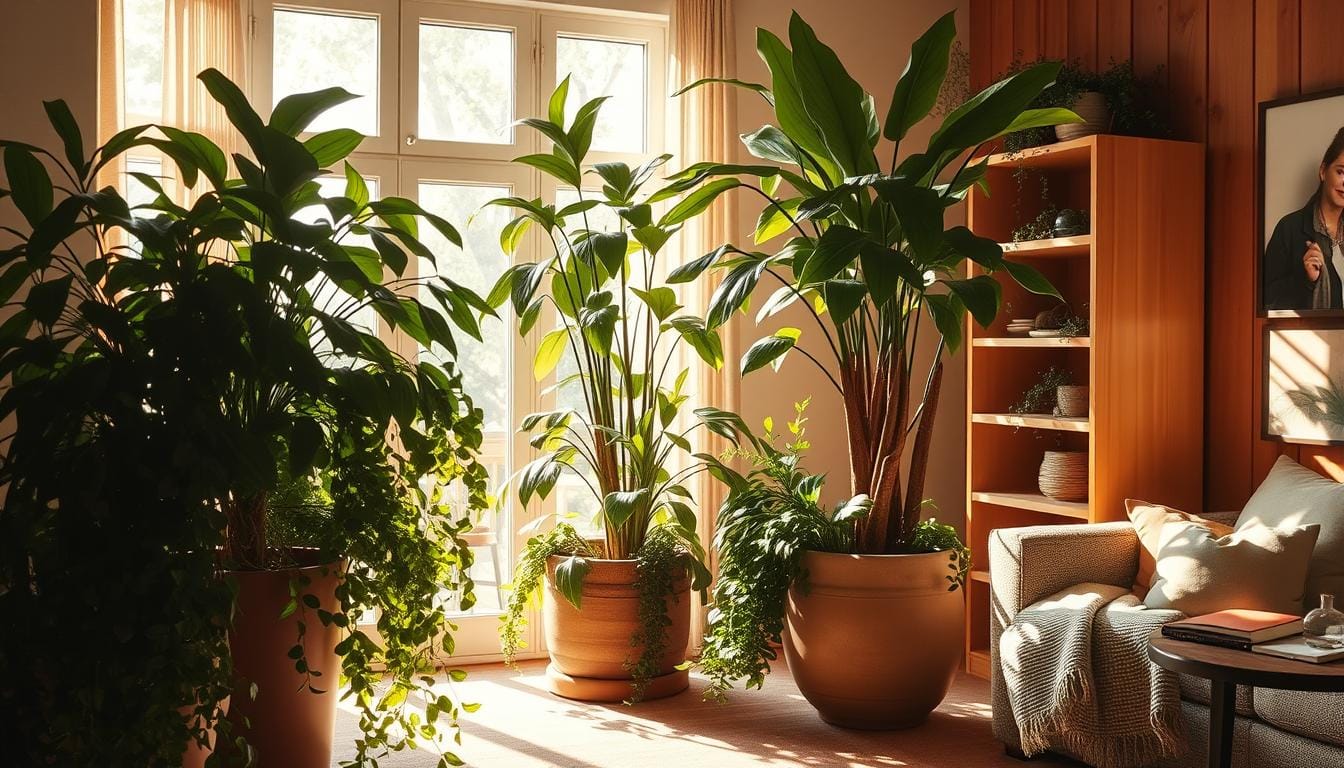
1291	496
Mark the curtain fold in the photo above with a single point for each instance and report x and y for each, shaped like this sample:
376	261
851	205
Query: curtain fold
702	46
111	116
198	35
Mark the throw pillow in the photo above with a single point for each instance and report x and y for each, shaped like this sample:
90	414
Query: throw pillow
1262	569
1293	495
1149	520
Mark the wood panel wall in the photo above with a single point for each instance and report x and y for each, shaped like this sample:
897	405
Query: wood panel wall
1216	60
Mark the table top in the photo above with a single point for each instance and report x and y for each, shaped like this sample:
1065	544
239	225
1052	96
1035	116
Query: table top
1243	667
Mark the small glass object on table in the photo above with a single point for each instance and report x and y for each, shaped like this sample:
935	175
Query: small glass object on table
1324	627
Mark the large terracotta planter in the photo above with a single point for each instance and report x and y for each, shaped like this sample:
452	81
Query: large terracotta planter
877	639
590	646
286	724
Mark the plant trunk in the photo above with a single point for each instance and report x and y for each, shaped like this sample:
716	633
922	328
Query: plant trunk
245	542
919	458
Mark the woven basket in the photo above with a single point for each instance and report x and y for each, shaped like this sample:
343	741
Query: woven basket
1064	475
1071	400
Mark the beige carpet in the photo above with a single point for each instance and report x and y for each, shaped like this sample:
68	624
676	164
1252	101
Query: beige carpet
520	725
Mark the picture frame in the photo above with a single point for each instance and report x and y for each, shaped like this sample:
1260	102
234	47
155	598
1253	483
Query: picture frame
1295	133
1302	392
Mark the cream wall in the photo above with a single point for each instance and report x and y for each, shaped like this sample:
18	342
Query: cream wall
872	38
49	50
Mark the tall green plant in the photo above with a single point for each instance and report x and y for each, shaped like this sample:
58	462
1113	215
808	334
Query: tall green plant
868	251
170	368
622	329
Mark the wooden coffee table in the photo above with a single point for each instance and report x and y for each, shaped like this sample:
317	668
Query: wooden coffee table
1225	669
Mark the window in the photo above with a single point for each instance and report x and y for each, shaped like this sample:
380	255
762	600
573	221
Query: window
442	84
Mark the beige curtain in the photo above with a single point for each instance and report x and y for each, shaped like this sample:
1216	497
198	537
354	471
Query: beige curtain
702	46
198	35
110	115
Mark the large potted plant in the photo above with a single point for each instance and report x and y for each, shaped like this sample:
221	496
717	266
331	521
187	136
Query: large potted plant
173	370
868	255
617	609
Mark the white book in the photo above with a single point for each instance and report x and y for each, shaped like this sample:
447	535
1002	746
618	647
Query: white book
1297	649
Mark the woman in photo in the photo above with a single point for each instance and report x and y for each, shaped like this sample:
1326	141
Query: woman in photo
1304	258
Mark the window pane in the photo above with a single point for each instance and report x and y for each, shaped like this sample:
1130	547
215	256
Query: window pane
466	84
143	38
484	365
321	50
606	68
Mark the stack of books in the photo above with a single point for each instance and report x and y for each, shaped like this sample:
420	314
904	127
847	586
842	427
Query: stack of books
1236	628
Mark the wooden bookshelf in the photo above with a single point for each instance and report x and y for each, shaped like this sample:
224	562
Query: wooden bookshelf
1138	276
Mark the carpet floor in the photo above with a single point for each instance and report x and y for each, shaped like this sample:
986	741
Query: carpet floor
520	725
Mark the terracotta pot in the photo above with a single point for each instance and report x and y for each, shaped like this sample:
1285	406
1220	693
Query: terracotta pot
1091	106
876	639
590	646
195	755
286	724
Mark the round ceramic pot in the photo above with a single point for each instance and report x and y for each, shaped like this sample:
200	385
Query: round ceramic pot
286	724
1063	475
875	640
590	646
1091	106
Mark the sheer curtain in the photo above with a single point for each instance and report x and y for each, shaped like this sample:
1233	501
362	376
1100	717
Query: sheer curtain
198	35
702	45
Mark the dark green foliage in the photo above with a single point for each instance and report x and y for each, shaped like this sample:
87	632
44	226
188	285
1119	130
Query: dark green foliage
1135	102
172	371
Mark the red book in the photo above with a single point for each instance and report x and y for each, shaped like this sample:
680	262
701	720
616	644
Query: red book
1241	624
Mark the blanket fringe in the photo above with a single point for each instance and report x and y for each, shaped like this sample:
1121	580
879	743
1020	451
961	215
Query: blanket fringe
1039	732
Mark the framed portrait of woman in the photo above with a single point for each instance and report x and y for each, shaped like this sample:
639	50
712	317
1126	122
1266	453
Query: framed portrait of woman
1301	206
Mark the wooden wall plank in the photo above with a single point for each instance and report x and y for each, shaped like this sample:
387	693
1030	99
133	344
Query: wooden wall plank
1150	40
1027	22
1055	29
1230	423
1322	51
981	39
1188	57
1113	31
1082	43
1003	49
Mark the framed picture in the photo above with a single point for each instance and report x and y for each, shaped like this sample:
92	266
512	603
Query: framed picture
1301	206
1304	385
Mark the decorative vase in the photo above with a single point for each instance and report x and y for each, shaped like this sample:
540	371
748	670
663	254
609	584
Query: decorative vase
1064	475
1092	107
875	640
1071	401
1070	223
590	646
287	723
1324	627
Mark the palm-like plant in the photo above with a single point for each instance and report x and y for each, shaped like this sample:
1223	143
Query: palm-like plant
869	253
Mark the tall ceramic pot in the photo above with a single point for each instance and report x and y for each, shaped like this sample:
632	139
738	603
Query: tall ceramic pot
875	640
1096	114
287	724
590	645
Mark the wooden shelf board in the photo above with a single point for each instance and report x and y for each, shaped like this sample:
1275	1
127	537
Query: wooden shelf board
977	663
1062	423
1035	343
980	576
1080	245
1034	502
1064	154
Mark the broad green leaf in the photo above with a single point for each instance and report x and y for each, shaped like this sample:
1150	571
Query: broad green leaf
789	110
884	269
854	508
203	153
769	350
981	295
770	143
991	111
843	298
836	249
947	312
236	106
46	300
757	87
297	111
920	212
569	575
555	108
355	187
538	477
331	147
619	506
1028	277
981	250
693	269
549	352
697	201
61	119
661	301
733	292
1042	118
562	168
705	342
833	100
599	326
29	184
917	90
776	219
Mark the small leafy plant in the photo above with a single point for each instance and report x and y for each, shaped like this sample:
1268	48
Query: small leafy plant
1041	396
1133	101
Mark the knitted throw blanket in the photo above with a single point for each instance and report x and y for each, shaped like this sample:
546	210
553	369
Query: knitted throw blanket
1078	678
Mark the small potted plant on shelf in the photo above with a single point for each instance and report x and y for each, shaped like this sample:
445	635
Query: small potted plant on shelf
868	256
617	608
178	374
1115	100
